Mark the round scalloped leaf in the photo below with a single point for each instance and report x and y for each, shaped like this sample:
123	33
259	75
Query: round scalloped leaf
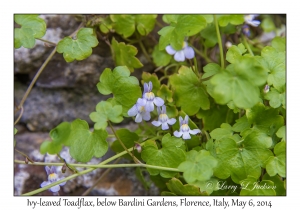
276	165
185	25
210	35
124	55
241	124
31	27
106	111
235	52
268	25
189	92
128	138
274	61
177	188
125	88
265	119
224	132
85	144
59	135
281	133
167	18
279	43
277	180
79	48
147	77
240	161
198	166
224	20
165	93
210	69
252	187
125	24
239	82
160	57
276	99
170	155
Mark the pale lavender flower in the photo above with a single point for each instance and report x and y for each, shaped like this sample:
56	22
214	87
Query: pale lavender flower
185	130
52	177
150	98
163	119
249	19
181	55
139	111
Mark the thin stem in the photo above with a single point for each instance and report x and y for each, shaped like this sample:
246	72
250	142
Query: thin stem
113	130
144	49
220	42
35	78
28	158
46	41
100	178
247	45
130	165
203	55
74	175
21	113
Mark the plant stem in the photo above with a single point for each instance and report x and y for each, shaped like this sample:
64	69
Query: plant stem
203	55
220	42
35	78
46	41
73	175
247	45
17	120
113	130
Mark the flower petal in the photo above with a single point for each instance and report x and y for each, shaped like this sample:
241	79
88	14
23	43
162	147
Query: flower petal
146	88
156	123
194	131
132	111
171	121
138	118
178	134
165	126
149	107
55	188
186	119
186	135
146	116
141	102
189	52
170	50
158	101
254	23
48	170
163	110
180	121
45	183
179	56
150	86
159	111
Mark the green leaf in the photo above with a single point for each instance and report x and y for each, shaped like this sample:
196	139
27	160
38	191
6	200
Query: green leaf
176	187
125	88
147	77
239	83
253	187
198	166
224	132
59	135
170	155
241	124
15	131
170	18
224	20
79	48
274	61
279	43
235	52
85	144
281	133
106	24
265	119
189	92
185	25
125	24
127	137
32	27
239	161
124	55
207	187
277	180
276	165
210	35
165	93
106	111
160	57
210	69
268	25
276	98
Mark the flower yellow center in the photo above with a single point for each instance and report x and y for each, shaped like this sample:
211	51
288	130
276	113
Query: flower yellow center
163	117
185	127
52	177
150	96
142	109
